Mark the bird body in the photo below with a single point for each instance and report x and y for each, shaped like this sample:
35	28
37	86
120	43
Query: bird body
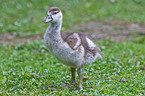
62	51
74	49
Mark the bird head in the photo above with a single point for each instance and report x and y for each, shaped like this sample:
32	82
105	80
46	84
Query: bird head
53	15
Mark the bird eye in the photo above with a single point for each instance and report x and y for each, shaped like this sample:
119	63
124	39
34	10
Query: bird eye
55	12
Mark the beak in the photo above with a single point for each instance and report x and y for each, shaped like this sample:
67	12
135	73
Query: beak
48	18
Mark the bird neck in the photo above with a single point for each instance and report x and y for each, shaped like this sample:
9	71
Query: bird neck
54	30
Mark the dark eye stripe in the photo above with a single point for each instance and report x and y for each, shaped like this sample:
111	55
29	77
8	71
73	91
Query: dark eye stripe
55	12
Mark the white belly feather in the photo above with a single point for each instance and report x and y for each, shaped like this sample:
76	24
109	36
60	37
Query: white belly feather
62	51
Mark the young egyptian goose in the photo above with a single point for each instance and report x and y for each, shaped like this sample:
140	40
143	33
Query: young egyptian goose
72	48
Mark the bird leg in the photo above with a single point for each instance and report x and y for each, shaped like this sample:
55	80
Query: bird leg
73	80
81	74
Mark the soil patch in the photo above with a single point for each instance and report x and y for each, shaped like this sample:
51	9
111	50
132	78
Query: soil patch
95	30
10	39
114	30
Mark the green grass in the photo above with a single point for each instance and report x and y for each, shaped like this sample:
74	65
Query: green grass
26	17
30	70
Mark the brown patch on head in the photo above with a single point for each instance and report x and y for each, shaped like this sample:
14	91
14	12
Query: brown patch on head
54	9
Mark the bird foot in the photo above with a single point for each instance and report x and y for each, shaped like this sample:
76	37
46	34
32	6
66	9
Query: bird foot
80	88
89	86
65	81
73	82
85	78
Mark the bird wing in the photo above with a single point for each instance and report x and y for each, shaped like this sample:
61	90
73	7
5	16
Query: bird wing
72	38
76	39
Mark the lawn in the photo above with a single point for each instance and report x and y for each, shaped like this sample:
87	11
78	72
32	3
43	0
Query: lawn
26	17
29	69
